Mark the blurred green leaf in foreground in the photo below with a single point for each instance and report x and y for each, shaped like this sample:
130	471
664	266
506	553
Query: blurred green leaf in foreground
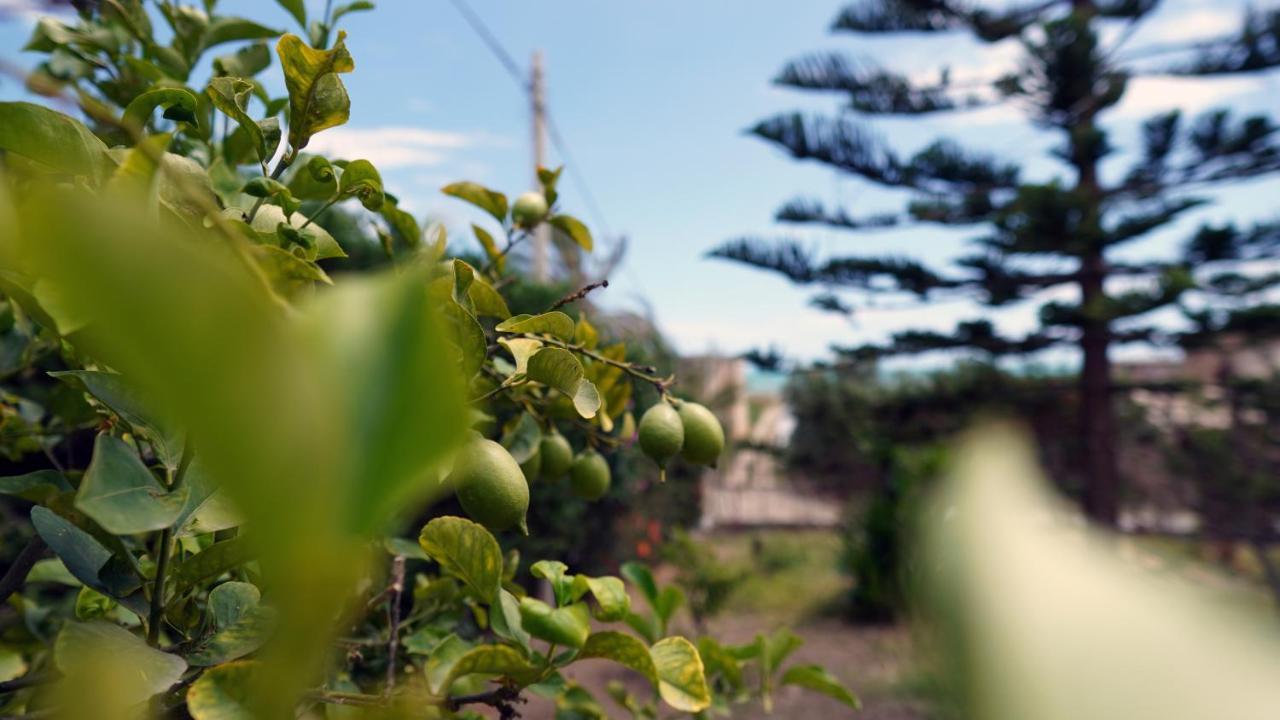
1042	618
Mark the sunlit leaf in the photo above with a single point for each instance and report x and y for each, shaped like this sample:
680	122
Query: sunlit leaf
492	202
92	649
567	626
467	551
554	323
574	230
222	693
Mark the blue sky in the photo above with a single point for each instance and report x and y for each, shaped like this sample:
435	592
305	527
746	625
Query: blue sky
652	99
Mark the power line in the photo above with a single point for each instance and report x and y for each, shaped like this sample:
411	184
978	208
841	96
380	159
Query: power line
517	74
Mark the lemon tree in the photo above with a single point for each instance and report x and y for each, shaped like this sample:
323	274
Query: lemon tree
222	437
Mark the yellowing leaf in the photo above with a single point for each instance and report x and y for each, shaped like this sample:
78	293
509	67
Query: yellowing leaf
682	681
317	98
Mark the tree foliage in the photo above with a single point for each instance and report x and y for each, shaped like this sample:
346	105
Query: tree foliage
221	451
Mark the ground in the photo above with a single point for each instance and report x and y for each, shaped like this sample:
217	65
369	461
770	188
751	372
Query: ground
794	582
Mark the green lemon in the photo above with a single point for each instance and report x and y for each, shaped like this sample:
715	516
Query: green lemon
703	436
589	475
532	467
661	433
557	455
490	486
529	210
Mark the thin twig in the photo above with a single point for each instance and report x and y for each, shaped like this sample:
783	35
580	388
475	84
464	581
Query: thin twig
17	573
578	295
26	681
340	698
500	698
393	612
647	373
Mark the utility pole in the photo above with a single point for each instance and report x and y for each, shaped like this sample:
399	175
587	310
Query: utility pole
538	100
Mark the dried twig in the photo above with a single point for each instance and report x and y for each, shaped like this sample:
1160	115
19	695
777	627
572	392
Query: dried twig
578	294
393	613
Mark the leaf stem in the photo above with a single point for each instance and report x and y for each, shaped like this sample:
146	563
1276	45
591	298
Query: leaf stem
393	611
162	555
641	372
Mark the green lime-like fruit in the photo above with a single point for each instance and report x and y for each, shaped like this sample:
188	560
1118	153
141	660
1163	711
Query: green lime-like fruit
589	475
532	467
490	486
557	455
661	433
529	210
703	436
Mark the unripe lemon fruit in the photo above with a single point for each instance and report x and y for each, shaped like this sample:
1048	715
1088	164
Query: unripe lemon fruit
589	475
703	436
531	467
661	433
490	486
557	455
529	210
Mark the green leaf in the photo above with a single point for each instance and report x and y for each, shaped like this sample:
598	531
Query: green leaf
466	551
82	649
248	633
316	180
405	547
362	180
554	323
487	301
52	570
317	98
92	605
487	660
122	495
556	574
468	338
640	576
222	693
402	223
231	96
645	625
491	201
669	600
296	8
775	649
522	442
574	229
491	251
357	6
622	649
245	62
441	661
223	29
816	678
611	597
213	561
83	555
504	618
37	487
556	368
568	625
178	104
682	681
230	601
52	139
122	398
719	661
402	398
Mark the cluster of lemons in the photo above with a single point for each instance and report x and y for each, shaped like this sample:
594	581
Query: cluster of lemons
494	489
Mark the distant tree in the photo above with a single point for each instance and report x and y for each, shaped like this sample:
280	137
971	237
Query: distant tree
1038	235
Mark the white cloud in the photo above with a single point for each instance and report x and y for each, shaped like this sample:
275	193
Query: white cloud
398	147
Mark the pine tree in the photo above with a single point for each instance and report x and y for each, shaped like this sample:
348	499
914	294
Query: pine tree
1067	81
